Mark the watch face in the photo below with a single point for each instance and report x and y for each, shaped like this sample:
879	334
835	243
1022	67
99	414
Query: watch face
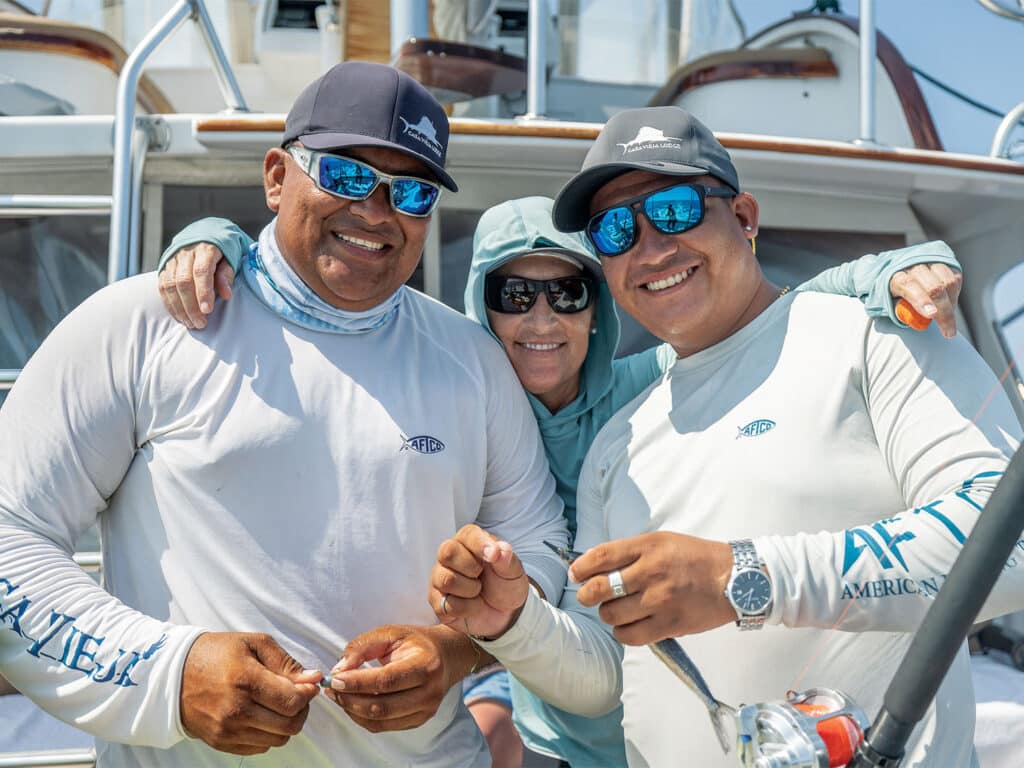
751	591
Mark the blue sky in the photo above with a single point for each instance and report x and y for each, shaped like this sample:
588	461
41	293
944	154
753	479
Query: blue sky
956	41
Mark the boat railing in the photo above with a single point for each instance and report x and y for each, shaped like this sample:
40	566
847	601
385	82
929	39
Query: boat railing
78	758
129	155
1001	141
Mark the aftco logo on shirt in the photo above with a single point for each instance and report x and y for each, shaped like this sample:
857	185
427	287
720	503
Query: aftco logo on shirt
755	428
421	444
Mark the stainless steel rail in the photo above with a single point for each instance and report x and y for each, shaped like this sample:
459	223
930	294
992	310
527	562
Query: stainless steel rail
124	128
1001	141
86	758
53	205
120	256
867	73
536	62
409	19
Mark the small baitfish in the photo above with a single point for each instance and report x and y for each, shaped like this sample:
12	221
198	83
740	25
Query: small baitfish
675	658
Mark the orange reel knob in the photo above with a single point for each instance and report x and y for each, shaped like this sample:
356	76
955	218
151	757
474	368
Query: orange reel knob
910	316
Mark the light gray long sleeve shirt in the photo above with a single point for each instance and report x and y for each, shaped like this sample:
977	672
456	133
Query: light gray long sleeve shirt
253	476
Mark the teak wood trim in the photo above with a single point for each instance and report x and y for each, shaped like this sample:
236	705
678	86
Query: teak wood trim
745	64
588	132
461	68
42	35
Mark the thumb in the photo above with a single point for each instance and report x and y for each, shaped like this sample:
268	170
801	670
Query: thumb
378	643
503	560
277	660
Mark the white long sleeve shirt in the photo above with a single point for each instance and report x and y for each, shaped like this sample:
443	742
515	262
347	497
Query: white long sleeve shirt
857	456
253	476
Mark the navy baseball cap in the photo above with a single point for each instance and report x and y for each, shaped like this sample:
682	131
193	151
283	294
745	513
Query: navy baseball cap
359	104
666	140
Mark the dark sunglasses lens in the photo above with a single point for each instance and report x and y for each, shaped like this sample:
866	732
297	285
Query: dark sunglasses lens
611	232
510	295
675	209
346	177
569	294
414	197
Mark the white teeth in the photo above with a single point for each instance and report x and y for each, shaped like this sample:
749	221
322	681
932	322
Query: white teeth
541	347
369	244
668	282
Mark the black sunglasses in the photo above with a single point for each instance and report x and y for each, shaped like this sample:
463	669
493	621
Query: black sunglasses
670	210
516	295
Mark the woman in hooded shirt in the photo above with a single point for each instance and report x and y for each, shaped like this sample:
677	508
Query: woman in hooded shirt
540	293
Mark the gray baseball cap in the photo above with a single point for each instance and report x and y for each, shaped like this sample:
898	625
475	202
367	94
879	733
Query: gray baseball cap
665	140
360	104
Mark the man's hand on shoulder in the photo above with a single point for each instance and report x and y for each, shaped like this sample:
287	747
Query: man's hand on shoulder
241	693
673	585
188	281
418	667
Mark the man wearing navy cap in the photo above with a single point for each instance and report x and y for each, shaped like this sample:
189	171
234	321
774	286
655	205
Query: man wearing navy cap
788	496
273	491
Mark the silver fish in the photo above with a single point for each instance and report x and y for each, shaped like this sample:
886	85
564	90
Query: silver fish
676	659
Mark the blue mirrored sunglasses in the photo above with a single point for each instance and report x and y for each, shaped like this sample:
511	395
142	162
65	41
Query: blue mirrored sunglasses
355	180
670	210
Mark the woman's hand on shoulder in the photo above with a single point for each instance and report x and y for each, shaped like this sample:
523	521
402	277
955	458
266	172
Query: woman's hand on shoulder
189	280
932	290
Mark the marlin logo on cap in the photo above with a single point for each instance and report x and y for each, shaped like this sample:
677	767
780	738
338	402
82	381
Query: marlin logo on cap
648	137
421	444
424	131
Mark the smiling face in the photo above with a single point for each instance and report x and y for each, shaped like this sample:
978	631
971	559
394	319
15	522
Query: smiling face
352	253
547	349
693	289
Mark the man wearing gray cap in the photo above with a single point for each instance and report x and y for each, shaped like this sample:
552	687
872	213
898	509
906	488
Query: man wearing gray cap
787	495
272	493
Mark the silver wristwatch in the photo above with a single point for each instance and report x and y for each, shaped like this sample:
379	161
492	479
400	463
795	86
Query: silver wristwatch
749	590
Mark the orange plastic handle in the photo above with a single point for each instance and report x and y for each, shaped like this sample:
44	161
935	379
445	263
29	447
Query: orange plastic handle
907	314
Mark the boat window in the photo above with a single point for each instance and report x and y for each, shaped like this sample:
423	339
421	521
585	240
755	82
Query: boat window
456	253
48	265
1008	301
793	256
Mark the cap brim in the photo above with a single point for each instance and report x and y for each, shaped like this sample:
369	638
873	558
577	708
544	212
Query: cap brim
571	210
327	141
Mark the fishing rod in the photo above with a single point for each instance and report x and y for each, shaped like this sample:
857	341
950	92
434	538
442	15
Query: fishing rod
823	728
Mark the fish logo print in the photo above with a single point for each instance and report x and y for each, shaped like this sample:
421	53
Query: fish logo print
424	132
755	428
647	136
421	444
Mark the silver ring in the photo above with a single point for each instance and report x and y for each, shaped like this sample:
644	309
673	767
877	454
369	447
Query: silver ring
615	582
444	604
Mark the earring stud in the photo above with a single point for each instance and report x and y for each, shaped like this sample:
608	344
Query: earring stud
749	229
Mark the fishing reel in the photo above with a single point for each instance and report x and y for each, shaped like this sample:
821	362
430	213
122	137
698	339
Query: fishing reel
817	728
